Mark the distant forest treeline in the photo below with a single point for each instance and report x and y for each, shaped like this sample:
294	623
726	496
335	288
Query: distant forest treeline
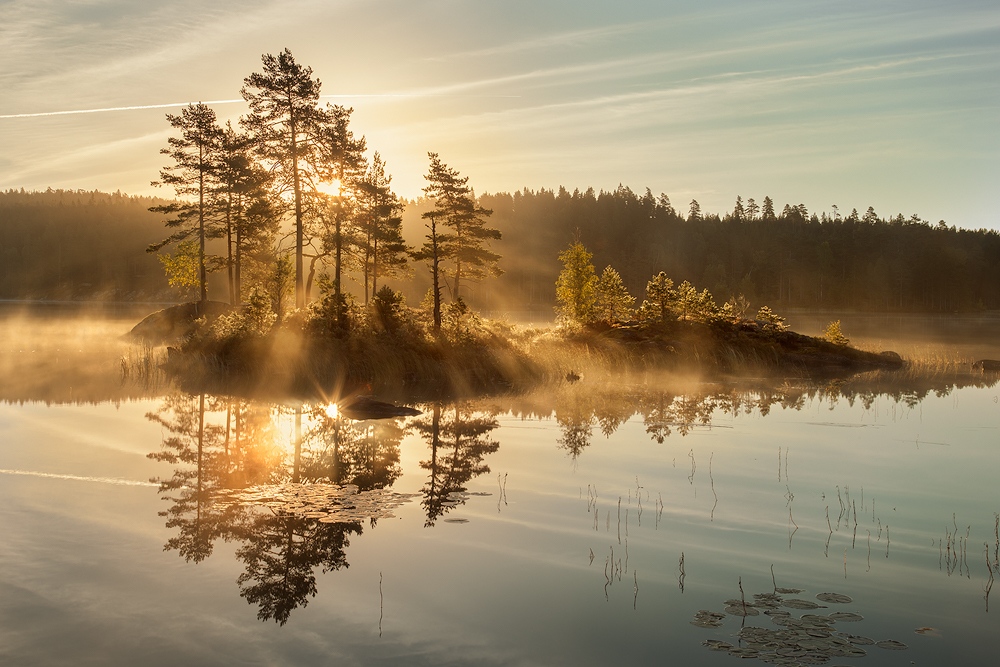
785	259
64	244
75	244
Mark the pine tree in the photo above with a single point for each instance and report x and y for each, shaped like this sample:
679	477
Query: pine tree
661	299
738	213
694	212
455	202
379	217
191	176
434	251
249	215
283	101
767	210
576	287
613	302
338	159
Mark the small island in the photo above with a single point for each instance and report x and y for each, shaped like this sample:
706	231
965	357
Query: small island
296	171
388	347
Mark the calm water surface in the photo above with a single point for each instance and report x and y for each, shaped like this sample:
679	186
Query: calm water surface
582	524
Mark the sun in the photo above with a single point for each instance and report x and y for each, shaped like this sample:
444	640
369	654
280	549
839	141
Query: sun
331	188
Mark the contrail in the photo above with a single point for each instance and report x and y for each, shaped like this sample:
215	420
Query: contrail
103	480
184	104
148	106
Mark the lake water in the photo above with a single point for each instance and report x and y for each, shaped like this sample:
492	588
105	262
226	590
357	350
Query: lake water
582	524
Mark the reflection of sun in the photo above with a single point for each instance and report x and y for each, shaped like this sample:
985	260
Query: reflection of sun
332	188
332	411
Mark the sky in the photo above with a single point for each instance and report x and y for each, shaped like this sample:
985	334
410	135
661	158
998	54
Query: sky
894	105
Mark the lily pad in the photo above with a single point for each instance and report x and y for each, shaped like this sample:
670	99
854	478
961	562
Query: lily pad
834	597
816	618
742	611
892	645
857	640
789	591
744	652
708	619
801	604
847	616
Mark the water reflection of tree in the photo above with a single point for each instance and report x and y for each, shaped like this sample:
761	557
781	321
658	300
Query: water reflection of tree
280	550
344	451
459	442
575	416
670	408
200	452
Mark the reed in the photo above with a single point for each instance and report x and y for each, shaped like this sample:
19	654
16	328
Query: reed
141	365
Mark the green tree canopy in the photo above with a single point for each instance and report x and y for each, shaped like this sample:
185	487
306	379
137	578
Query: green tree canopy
661	299
613	303
576	288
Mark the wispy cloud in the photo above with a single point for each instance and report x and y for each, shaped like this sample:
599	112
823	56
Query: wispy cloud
572	38
78	478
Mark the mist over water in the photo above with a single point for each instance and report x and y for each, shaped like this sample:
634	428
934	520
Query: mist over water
580	523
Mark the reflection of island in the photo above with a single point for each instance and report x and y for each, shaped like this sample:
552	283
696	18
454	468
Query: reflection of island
675	406
290	509
459	441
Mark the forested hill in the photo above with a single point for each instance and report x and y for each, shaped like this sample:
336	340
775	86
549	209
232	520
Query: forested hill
789	258
74	244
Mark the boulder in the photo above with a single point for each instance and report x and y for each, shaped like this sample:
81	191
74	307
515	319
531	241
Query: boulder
176	323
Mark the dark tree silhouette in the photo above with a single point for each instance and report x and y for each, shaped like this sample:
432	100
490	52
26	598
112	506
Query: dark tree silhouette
249	214
283	107
197	449
466	435
383	251
192	175
338	159
458	208
433	252
281	553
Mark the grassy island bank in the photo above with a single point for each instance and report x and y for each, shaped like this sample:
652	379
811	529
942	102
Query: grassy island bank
390	348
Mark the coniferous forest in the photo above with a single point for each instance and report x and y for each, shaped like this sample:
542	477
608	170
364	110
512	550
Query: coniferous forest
90	245
784	258
79	245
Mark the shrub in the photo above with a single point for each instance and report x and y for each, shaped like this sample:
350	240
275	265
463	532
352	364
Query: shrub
253	320
386	311
833	334
334	315
457	314
769	318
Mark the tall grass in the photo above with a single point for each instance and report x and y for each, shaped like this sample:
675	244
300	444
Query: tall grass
142	365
